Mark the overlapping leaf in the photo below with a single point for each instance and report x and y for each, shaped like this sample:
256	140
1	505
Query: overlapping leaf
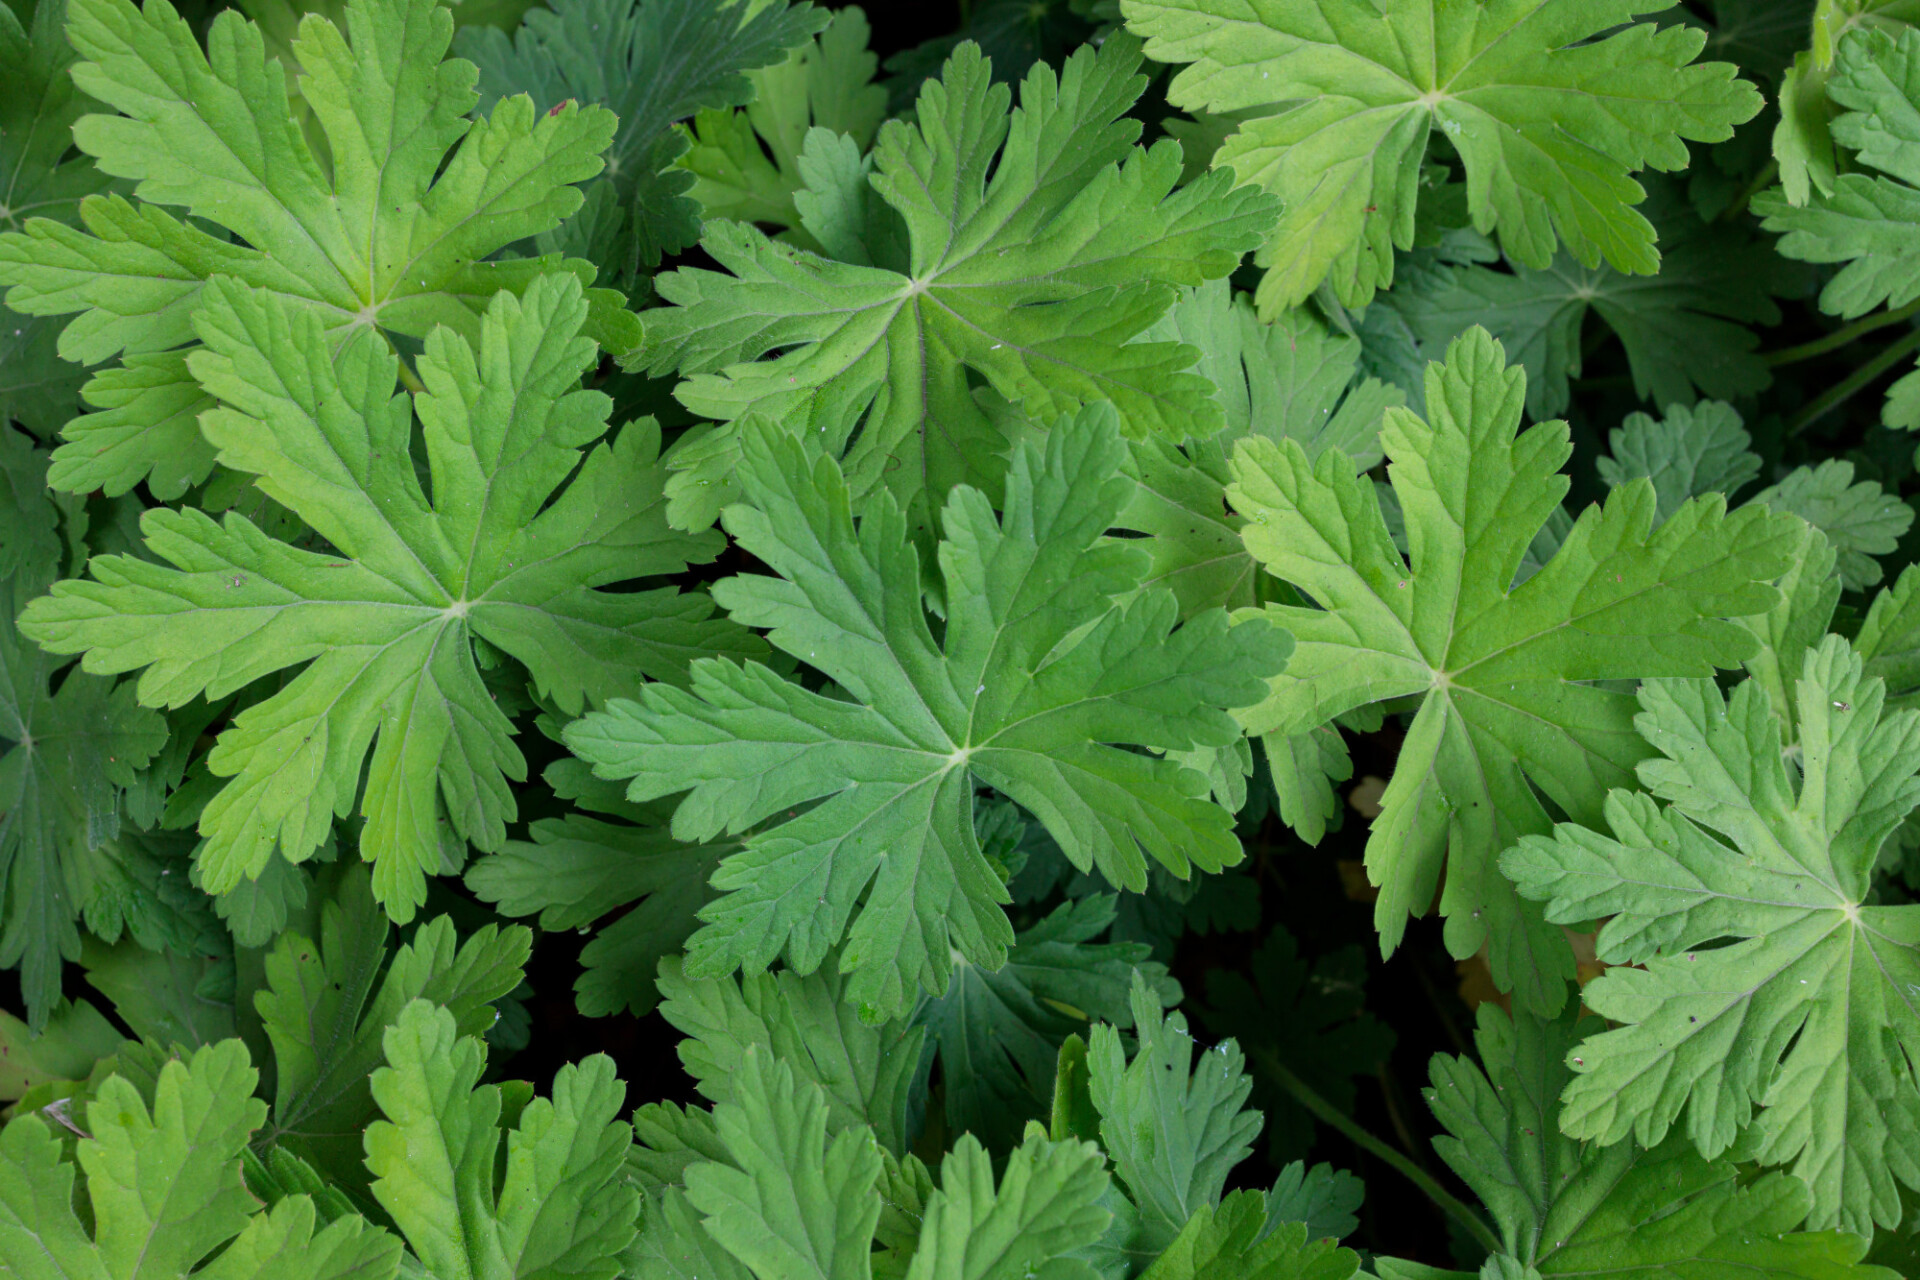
38	105
864	1072
577	869
390	227
1803	140
1800	1029
1691	452
279	20
1685	453
1037	245
1295	379
1038	683
652	62
747	164
1550	105
1866	220
1174	1128
1237	1241
75	1037
791	1198
74	744
327	1001
499	553
558	1204
1860	520
998	1031
1687	330
1507	678
1580	1209
164	1189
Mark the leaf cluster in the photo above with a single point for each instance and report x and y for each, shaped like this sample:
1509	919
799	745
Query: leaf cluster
888	555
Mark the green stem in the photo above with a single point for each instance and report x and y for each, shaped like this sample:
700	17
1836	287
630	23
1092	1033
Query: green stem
1434	998
1841	392
1327	1113
1840	337
1761	181
408	378
1390	1091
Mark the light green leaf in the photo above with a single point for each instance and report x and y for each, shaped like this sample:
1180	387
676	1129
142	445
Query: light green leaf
673	1245
1505	678
1803	139
391	233
1549	107
864	1073
327	1003
1030	266
1174	1128
1809	590
1237	1241
794	1206
164	1188
1889	641
1294	379
389	621
1040	680
1045	1207
1567	1208
1863	219
558	1208
1799	1029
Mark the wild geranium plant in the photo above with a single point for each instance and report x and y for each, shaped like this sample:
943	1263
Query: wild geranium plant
747	640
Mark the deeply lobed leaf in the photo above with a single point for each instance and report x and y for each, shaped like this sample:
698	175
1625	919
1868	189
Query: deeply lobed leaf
1508	681
1549	104
498	553
1039	681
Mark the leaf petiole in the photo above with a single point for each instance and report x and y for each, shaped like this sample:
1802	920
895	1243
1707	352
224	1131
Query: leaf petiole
408	378
1840	337
1841	392
1327	1113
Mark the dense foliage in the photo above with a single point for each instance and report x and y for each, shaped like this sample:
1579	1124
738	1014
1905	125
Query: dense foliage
1061	593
